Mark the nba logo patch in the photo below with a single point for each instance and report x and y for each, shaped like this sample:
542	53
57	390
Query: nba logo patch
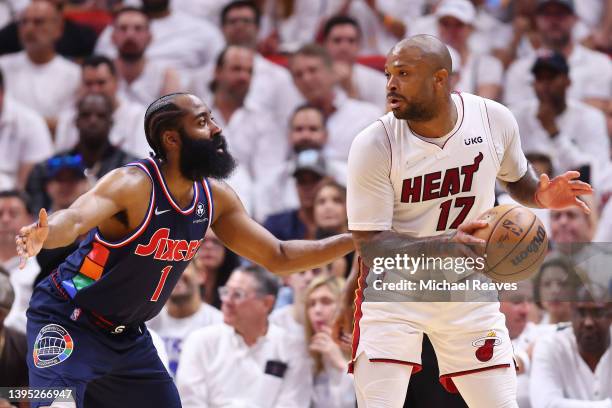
52	346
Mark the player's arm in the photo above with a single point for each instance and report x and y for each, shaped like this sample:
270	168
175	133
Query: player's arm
518	177
247	238
109	196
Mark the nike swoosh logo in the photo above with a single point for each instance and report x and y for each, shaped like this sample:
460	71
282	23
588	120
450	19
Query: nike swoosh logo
157	212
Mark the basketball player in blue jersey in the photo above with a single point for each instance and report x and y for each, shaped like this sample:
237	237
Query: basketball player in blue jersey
142	225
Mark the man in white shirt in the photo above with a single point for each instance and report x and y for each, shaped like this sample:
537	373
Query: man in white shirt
307	130
179	40
184	313
38	77
141	79
24	140
98	75
245	362
342	40
14	214
481	73
573	368
312	70
272	88
573	133
590	71
251	132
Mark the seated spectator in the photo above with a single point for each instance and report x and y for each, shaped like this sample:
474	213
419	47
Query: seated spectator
572	132
573	367
590	71
178	39
306	131
333	386
313	74
291	316
15	214
141	79
246	361
342	39
481	74
214	263
24	140
94	120
98	75
329	215
184	313
554	287
37	76
76	40
298	223
272	87
14	346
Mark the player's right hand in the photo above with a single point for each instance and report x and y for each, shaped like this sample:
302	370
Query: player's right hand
31	238
343	326
468	245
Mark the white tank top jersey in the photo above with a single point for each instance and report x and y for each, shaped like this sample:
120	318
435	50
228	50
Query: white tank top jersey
400	181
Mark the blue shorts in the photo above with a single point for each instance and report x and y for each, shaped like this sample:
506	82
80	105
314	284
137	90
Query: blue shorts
66	348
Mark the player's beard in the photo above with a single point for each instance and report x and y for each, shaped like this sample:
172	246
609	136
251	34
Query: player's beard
202	158
417	112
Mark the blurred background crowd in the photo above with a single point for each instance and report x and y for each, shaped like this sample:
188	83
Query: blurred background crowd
292	82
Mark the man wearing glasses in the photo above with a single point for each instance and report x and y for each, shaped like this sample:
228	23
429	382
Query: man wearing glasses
220	365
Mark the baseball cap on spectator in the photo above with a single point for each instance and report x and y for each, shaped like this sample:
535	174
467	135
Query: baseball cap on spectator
568	4
310	160
552	61
65	165
462	10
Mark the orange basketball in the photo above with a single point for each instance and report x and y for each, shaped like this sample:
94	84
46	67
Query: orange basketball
516	243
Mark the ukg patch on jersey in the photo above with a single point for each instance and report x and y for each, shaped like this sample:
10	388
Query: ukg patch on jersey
52	346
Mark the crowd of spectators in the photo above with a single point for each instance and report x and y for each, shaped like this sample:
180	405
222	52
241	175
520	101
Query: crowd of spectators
291	83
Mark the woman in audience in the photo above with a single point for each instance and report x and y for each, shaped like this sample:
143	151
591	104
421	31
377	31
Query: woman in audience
329	212
554	287
215	263
333	387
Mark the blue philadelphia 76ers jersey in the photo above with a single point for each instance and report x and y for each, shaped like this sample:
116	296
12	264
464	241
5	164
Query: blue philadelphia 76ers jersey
129	281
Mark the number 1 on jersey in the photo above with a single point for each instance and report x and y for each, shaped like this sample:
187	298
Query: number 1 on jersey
162	281
466	204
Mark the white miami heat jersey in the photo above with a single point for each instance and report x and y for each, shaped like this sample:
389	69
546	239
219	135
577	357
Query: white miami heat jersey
398	181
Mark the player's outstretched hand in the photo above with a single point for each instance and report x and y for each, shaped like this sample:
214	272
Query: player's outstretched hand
31	238
562	192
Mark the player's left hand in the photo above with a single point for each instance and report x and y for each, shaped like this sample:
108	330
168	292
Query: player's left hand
562	192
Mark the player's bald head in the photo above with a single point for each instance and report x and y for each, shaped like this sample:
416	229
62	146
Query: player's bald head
424	48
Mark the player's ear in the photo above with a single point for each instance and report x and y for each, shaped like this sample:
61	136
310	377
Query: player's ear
171	139
441	77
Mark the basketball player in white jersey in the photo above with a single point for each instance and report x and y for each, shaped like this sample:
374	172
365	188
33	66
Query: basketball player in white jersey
421	174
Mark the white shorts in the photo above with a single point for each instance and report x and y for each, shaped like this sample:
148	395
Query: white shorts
467	337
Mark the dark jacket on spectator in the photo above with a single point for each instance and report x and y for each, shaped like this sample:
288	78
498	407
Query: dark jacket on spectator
35	186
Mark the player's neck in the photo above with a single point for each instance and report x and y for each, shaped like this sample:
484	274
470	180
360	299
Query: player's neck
441	124
130	70
180	187
182	310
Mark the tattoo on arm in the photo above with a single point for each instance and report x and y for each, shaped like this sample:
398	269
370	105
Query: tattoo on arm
524	189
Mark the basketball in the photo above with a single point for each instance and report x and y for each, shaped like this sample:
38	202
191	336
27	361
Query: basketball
516	243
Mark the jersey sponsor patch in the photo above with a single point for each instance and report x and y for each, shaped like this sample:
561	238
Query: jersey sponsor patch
472	140
52	346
